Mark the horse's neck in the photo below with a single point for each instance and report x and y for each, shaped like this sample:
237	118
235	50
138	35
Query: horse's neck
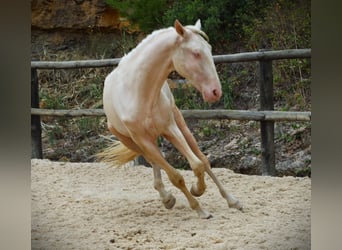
151	62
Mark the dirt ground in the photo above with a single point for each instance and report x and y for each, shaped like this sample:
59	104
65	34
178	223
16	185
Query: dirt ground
95	206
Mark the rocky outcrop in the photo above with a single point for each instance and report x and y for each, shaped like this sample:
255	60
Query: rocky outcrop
74	14
78	29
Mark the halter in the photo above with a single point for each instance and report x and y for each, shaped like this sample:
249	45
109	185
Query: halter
199	32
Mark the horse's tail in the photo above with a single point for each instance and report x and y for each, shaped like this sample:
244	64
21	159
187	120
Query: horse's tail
117	154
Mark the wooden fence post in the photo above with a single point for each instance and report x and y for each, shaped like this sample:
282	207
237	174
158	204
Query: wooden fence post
36	130
267	127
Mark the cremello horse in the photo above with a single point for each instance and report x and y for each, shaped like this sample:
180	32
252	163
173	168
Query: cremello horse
140	107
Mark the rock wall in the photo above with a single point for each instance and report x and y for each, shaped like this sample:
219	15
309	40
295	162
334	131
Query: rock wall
74	14
76	28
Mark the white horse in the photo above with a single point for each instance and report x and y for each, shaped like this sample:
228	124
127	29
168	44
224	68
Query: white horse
140	107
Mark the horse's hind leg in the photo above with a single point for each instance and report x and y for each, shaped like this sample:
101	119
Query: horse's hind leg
127	141
167	198
231	200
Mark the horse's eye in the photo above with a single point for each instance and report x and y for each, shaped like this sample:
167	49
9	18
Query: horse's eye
196	54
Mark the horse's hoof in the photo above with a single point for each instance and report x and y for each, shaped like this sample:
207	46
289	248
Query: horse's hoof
170	202
194	191
209	216
204	214
237	205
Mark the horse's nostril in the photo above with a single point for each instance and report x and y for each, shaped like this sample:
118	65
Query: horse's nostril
215	92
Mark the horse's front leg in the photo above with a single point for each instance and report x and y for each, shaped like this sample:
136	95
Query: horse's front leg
152	154
167	198
175	136
231	200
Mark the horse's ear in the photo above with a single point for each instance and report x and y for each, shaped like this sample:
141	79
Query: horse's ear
179	28
198	24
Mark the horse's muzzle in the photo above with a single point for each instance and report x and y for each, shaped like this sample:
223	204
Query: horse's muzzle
212	94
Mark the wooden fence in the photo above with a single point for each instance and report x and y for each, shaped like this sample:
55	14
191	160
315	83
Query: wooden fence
266	115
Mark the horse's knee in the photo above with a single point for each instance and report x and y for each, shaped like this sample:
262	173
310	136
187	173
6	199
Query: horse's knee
177	180
199	171
198	167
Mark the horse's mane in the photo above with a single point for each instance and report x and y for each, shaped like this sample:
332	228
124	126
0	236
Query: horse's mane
147	39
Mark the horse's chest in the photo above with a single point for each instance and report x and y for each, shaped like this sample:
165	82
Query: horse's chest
161	117
157	119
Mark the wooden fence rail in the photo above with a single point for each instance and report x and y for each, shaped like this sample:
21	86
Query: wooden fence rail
218	114
266	116
231	58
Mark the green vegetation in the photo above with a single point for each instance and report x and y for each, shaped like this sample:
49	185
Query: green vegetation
238	25
273	24
144	13
223	20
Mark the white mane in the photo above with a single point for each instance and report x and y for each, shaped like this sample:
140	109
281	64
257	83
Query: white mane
146	40
194	28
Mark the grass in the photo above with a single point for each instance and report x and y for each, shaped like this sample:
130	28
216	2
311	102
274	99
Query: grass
73	139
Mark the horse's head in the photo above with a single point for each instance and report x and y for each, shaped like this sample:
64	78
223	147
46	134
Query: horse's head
193	60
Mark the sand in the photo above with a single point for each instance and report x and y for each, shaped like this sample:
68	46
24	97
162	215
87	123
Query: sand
96	206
